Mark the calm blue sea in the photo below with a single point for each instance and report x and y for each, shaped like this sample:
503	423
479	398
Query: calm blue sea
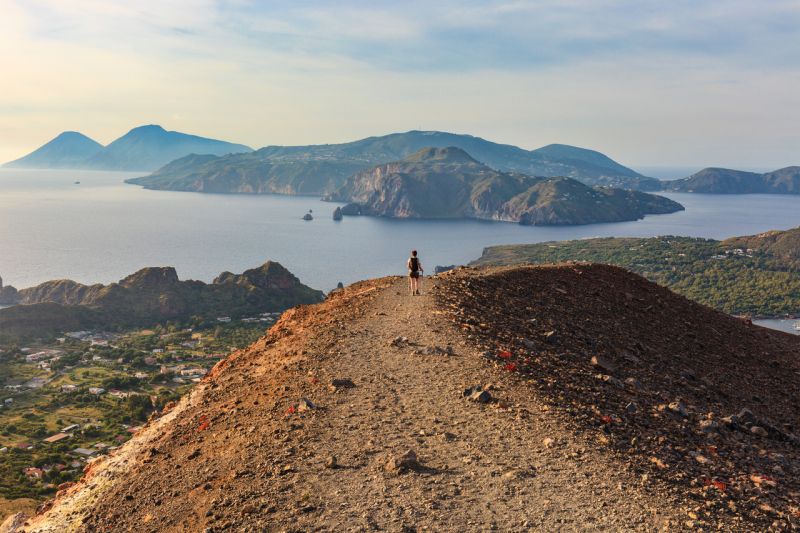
102	230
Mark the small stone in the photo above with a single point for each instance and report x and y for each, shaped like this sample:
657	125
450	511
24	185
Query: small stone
548	442
399	341
399	464
477	394
709	426
679	408
305	405
342	383
550	337
631	408
601	362
758	431
633	384
611	380
330	462
746	417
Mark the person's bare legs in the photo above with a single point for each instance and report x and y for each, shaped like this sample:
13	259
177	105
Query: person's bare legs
411	285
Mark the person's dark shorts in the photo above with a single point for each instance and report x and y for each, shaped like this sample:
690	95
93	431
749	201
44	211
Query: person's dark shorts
413	274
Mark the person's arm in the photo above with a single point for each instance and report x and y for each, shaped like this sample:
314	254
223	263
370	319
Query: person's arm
408	264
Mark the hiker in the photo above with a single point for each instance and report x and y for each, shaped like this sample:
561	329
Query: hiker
414	269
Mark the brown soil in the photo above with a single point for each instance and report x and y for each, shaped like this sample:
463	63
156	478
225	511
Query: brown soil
554	450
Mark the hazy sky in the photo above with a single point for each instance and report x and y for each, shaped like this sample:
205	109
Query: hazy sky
678	82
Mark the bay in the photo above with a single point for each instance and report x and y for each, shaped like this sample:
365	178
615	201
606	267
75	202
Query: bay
102	230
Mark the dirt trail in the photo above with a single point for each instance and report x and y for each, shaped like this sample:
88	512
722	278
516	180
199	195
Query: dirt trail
238	454
483	466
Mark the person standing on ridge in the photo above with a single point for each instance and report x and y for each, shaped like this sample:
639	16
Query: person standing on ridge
414	269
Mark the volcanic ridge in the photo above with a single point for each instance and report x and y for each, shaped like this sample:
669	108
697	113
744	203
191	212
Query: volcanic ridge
570	397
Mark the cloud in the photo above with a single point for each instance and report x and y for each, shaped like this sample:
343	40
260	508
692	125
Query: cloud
649	82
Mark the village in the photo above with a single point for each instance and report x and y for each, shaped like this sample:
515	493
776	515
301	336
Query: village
69	400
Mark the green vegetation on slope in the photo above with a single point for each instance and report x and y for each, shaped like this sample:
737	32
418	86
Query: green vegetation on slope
757	275
321	169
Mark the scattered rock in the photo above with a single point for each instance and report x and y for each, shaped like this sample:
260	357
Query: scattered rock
548	442
611	380
746	417
435	350
477	394
709	426
633	384
342	383
14	523
330	462
399	464
598	361
679	408
305	405
550	337
631	408
758	431
399	341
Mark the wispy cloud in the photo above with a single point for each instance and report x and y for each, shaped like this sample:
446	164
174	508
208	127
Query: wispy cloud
630	77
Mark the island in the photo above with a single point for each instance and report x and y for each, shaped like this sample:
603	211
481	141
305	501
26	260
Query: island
727	181
448	183
322	169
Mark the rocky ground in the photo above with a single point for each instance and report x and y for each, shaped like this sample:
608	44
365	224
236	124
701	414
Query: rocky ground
566	398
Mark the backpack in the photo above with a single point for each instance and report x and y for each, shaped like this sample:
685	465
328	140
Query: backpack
414	264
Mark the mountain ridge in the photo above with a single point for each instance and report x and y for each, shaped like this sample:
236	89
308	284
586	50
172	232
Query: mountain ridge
716	180
321	169
149	296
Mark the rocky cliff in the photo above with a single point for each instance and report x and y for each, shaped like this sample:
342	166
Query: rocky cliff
150	296
449	183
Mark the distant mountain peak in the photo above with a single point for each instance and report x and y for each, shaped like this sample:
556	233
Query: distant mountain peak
67	150
148	128
145	147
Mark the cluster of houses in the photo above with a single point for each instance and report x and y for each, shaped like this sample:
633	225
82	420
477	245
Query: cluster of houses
80	455
183	373
736	252
101	338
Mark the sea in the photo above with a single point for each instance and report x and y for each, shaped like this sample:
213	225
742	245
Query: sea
91	227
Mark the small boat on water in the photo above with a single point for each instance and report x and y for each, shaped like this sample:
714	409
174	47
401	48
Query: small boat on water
77	183
308	216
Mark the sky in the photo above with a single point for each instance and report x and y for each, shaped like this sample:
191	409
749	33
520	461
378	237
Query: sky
682	82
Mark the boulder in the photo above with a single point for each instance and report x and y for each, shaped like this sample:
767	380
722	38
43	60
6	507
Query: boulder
399	464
